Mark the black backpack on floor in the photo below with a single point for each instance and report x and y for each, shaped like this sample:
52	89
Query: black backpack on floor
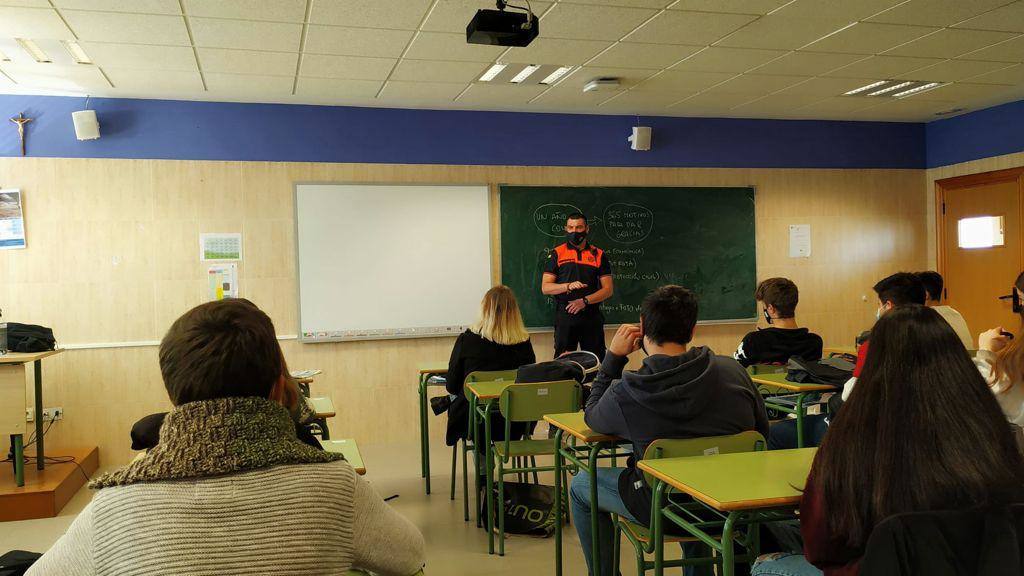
17	562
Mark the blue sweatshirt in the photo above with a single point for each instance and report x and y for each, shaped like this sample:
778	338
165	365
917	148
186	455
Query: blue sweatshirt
693	395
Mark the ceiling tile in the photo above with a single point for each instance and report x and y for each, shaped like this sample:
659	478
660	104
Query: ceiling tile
775	106
807	63
1008	18
825	86
691	28
337	89
25	4
959	91
953	70
628	77
1014	74
438	71
170	7
592	22
395	90
396	14
836	105
634	102
881	67
1009	51
141	56
950	43
276	11
245	61
250	84
905	110
718	59
759	7
348	67
556	51
500	94
246	35
154	81
936	12
682	82
869	38
849	10
55	77
33	23
713	99
357	41
453	15
127	28
780	33
638	55
631	3
571	98
758	84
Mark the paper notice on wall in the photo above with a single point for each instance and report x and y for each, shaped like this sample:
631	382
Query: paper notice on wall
218	246
12	220
223	279
799	240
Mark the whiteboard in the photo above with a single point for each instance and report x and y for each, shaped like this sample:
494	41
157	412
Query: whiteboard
379	261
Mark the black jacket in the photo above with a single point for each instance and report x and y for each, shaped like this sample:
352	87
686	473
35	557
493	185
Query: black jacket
979	542
692	395
473	352
776	345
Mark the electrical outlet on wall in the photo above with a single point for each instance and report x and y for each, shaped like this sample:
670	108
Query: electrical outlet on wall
30	414
53	413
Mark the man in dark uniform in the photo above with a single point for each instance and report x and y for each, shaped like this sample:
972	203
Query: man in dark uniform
579	277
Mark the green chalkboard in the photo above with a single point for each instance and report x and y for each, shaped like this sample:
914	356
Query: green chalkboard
701	238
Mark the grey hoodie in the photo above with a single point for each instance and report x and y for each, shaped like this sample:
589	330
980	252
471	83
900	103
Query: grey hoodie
692	395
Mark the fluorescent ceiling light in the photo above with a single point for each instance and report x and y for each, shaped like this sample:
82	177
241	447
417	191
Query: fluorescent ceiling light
919	89
554	76
33	50
524	73
492	72
863	88
76	52
890	88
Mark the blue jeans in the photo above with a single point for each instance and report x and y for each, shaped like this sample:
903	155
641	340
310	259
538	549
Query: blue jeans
782	434
610	502
784	564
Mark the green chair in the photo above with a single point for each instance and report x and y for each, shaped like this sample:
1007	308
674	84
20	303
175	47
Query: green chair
529	403
640	536
467	442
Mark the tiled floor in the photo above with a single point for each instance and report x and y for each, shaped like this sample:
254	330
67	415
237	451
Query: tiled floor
455	547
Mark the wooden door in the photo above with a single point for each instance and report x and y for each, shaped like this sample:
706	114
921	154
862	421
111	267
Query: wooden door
976	276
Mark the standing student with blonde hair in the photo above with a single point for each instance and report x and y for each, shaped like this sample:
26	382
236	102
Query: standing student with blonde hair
1001	361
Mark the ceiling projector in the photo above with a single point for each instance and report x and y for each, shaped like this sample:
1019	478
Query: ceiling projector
501	28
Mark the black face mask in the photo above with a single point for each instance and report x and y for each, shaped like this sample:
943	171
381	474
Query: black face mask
577	238
767	317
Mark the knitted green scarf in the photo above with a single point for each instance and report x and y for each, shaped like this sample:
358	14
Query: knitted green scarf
215	437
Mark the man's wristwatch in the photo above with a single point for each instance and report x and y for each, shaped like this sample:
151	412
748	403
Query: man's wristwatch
585	301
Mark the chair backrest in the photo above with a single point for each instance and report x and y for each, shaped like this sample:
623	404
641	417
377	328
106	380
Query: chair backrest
491	376
530	402
749	441
755	369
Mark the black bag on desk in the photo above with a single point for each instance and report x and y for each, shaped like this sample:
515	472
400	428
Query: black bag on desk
17	562
29	338
804	371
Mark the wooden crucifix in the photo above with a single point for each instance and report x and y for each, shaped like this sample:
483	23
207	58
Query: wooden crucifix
21	120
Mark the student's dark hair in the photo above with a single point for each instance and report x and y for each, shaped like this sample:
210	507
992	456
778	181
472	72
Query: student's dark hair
932	282
781	293
577	216
902	288
669	314
921	431
221	349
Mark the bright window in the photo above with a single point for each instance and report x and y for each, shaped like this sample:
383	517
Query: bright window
980	232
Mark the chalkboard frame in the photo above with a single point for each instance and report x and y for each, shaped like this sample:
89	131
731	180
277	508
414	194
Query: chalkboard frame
501	189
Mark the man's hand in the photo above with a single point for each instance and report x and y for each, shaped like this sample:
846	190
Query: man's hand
626	340
574	286
992	340
575	306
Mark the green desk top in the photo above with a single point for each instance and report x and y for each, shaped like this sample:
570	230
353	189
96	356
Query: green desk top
779	381
839	350
348	448
572	423
437	367
742	481
488	390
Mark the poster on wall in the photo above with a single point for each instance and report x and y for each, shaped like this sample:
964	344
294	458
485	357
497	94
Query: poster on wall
223	281
217	246
12	221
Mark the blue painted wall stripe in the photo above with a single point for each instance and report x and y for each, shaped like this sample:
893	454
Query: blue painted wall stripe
277	132
990	132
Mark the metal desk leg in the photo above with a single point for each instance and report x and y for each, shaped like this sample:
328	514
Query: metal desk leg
19	459
800	420
728	556
558	502
424	432
40	453
489	464
595	551
657	528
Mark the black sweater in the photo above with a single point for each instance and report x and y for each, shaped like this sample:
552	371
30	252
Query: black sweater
473	352
693	395
777	345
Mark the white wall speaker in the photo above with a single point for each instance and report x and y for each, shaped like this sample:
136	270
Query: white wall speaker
641	138
87	127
